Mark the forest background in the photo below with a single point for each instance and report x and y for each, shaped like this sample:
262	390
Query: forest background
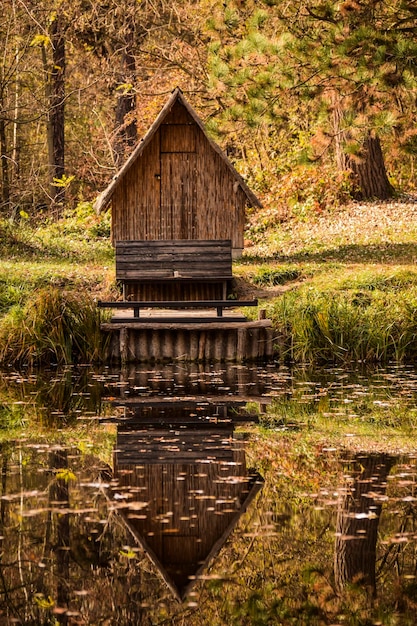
313	102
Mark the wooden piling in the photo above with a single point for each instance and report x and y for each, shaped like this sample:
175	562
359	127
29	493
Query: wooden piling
200	342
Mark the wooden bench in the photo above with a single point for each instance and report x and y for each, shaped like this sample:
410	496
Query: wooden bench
173	262
219	305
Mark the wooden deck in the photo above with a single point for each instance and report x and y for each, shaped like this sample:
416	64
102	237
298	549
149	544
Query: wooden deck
157	340
185	316
171	327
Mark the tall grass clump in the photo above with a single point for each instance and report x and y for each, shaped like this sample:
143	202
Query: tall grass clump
346	326
270	276
53	327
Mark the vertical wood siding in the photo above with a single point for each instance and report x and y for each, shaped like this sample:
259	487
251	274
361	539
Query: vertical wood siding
179	188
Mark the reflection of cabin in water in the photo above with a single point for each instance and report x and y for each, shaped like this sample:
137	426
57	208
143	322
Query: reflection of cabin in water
185	488
178	184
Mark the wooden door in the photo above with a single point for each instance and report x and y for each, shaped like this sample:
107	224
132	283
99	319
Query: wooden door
178	182
178	210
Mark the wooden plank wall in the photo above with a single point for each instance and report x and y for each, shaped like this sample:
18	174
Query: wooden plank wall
177	291
179	188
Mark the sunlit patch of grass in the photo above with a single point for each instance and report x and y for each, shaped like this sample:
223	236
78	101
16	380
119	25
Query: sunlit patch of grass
80	235
15	239
270	276
262	274
12	293
20	281
385	280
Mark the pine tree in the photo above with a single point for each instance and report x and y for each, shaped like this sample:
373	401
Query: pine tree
349	66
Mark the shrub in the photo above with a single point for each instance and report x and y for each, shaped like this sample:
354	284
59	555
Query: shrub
300	192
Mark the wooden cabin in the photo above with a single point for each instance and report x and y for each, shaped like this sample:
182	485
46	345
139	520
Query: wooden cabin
178	184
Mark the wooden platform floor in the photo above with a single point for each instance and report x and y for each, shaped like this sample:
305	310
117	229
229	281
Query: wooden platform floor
149	315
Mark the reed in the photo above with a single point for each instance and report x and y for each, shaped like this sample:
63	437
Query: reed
346	326
53	327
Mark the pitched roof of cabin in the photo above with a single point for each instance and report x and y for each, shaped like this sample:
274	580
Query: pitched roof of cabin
183	578
105	196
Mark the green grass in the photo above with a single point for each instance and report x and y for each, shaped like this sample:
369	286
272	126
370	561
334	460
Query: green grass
79	237
334	294
271	276
50	276
354	293
339	313
317	325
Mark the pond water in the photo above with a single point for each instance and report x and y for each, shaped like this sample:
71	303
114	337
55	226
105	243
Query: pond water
199	495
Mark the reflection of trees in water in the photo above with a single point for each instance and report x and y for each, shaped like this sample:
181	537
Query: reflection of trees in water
358	520
107	576
59	497
42	535
50	396
65	552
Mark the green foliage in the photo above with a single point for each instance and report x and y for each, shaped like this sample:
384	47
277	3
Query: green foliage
15	239
66	475
12	416
73	234
289	66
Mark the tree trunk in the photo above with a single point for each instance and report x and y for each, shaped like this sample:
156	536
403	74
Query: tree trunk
56	118
369	175
357	522
5	183
366	168
59	496
126	125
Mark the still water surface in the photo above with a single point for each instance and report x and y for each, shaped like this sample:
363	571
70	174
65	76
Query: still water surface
192	495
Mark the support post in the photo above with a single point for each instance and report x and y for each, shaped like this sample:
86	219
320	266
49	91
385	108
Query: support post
123	338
